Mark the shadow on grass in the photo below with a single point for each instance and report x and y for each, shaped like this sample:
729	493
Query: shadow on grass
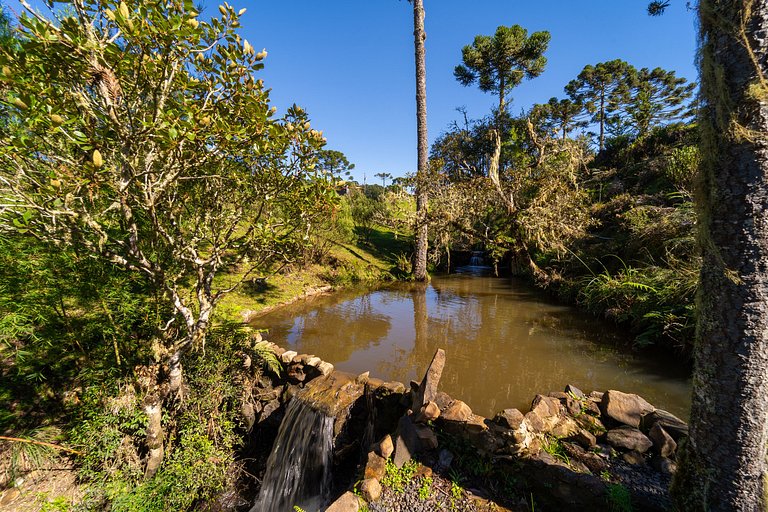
383	244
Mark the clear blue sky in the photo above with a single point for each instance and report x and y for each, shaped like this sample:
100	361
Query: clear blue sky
350	62
351	65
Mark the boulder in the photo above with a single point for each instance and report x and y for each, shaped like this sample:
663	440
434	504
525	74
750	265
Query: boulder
428	388
428	412
406	442
287	356
565	427
673	425
296	373
348	502
634	458
458	411
509	418
376	467
444	460
426	436
575	392
370	489
625	408
663	444
544	414
585	438
628	438
385	447
325	368
663	465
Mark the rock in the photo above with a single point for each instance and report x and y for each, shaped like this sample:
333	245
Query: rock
509	418
576	392
596	396
363	378
628	438
288	356
370	488
444	460
565	427
375	467
663	465
663	444
443	400
624	407
592	461
313	361
325	368
423	472
634	458
248	414
427	438
544	414
585	438
428	387
428	412
457	411
591	424
269	409
348	502
385	448
604	451
296	373
673	425
406	442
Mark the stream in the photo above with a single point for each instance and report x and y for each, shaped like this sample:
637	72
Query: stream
505	342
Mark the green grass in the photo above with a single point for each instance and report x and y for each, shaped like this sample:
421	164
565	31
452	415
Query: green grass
345	264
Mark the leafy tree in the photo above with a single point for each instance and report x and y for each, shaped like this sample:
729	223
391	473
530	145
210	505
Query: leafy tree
500	63
657	97
334	162
558	116
139	135
384	177
602	89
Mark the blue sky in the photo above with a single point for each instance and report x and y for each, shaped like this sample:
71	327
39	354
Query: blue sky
350	62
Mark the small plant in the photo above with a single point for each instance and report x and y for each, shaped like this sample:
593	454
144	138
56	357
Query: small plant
397	478
619	499
456	490
554	447
297	508
425	489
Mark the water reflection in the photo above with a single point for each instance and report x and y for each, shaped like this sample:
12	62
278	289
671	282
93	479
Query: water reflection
504	342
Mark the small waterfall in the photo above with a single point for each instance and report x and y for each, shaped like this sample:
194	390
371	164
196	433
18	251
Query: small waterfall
477	259
299	467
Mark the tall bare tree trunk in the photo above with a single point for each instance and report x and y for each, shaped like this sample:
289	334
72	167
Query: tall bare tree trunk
420	258
723	466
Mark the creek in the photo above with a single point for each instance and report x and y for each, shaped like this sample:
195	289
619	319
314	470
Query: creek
505	342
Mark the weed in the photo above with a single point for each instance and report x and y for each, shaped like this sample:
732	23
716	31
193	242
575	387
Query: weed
398	478
425	489
619	499
554	447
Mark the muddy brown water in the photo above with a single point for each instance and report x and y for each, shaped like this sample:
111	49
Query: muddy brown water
504	342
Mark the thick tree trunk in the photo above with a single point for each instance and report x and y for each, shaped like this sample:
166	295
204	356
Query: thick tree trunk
153	408
420	258
723	465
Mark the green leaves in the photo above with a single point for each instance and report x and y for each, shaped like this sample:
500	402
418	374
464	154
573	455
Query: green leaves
501	62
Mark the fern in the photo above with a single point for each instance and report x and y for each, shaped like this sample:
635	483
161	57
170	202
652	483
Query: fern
267	357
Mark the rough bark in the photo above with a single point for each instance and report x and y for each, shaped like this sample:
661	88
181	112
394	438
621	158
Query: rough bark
724	463
420	258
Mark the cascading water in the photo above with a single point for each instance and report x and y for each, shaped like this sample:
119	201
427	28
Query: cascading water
299	467
477	259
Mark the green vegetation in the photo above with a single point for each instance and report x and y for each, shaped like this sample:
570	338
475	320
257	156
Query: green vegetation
398	479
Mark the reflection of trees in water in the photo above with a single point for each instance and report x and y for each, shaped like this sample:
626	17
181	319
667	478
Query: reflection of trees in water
331	331
503	343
